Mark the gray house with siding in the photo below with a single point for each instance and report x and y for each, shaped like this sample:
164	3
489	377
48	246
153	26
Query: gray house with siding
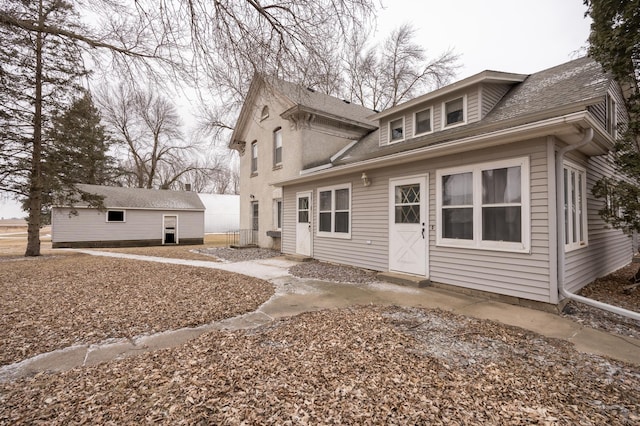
131	217
483	184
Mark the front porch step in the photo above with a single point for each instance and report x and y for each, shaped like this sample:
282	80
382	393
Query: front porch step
404	279
298	258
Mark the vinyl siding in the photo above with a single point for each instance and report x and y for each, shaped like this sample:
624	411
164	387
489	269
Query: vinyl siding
514	274
90	225
608	249
490	95
472	114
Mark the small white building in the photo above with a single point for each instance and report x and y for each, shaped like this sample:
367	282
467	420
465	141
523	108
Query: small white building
222	213
131	217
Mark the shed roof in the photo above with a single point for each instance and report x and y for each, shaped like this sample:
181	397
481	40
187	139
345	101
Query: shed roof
138	198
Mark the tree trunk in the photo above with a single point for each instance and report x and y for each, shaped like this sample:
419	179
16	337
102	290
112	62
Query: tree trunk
35	186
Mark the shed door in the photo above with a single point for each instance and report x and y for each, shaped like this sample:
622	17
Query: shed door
170	230
408	235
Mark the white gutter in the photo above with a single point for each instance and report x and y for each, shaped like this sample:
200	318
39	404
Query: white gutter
588	136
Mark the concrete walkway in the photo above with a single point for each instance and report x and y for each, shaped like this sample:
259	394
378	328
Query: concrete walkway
293	296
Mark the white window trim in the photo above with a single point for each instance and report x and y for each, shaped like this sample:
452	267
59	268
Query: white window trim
611	115
571	246
254	171
277	130
415	121
477	243
124	216
275	213
443	114
333	234
389	131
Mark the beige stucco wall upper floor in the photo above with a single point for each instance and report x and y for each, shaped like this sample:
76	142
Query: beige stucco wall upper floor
307	141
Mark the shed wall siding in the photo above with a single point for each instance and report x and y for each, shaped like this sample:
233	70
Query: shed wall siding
90	225
608	249
515	274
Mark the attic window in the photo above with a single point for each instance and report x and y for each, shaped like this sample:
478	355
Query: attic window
115	215
396	130
265	113
422	120
454	112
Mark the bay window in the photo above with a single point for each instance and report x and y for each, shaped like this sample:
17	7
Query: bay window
484	206
334	211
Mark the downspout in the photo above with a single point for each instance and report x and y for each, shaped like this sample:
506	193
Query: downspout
586	139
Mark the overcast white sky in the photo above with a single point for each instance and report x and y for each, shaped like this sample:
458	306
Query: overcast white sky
520	36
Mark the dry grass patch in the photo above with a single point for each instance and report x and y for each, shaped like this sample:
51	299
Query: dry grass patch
52	303
366	365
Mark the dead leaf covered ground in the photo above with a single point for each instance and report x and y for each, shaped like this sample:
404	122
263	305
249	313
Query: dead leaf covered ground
364	365
50	303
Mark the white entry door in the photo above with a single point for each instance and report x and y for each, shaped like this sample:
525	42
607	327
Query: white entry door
408	227
303	223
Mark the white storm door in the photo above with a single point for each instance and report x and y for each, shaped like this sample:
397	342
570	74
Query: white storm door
303	223
408	227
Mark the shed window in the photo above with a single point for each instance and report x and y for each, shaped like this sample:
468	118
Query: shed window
575	206
334	212
115	215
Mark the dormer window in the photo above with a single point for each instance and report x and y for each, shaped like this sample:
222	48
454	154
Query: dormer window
422	121
611	116
265	113
396	130
454	113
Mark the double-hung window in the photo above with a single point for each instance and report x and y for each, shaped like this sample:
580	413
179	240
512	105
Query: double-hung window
454	112
575	206
254	157
484	206
277	147
611	116
396	130
334	211
422	122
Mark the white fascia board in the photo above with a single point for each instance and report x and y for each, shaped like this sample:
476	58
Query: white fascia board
485	140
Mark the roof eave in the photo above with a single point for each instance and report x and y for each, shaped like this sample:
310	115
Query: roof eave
571	123
302	108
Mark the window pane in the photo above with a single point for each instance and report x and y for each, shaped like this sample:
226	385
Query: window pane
423	121
325	222
457	189
303	203
325	201
279	213
342	222
277	146
501	186
454	111
254	216
303	216
397	130
342	199
408	214
502	224
457	223
407	194
115	216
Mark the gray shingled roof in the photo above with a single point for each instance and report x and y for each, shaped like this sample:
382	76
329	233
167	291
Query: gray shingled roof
572	85
145	198
322	102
